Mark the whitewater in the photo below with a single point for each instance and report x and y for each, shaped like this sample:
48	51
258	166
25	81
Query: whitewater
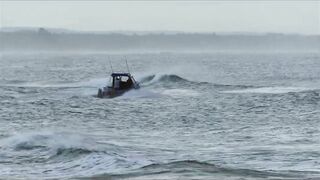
196	116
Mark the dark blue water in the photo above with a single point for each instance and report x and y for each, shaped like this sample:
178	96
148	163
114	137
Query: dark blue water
196	116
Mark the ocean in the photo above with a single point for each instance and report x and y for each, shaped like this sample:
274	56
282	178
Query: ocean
220	115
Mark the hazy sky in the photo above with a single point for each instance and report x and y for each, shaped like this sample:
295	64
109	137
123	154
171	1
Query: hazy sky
192	16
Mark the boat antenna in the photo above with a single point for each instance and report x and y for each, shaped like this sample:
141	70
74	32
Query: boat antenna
127	65
110	65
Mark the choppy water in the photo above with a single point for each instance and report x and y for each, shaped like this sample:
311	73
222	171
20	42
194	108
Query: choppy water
197	116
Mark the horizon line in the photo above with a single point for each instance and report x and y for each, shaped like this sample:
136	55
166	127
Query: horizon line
69	30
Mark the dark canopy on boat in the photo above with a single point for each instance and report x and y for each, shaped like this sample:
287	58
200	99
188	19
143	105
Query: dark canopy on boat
120	74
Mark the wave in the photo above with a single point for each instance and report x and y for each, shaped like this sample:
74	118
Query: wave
200	170
173	78
85	158
90	83
78	154
162	78
93	84
270	90
193	165
55	143
173	84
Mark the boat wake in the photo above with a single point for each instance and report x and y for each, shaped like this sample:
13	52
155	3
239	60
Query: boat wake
147	80
154	85
270	90
140	93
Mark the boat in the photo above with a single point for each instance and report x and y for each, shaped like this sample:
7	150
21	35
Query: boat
120	83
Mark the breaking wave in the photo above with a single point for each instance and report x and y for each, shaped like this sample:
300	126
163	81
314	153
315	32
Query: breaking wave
173	78
84	158
52	145
162	78
78	154
59	142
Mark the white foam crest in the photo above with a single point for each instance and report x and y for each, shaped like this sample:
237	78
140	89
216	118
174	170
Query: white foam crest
87	165
270	90
49	139
140	93
180	92
155	79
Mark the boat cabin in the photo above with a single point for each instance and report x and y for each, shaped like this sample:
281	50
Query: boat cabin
122	81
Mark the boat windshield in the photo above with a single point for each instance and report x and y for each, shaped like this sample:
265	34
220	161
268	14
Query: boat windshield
124	78
109	82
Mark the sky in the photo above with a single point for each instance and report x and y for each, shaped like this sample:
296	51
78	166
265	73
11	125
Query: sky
301	17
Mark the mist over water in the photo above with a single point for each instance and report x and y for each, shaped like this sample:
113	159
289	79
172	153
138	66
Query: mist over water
197	116
53	40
